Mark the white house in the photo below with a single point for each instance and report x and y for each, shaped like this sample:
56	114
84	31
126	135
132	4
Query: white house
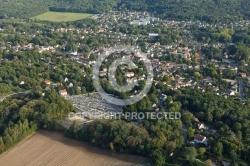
73	52
130	74
22	82
103	73
47	82
229	93
130	80
105	69
200	125
200	139
153	34
66	79
71	85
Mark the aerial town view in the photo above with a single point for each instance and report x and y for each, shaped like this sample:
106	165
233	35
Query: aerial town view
124	83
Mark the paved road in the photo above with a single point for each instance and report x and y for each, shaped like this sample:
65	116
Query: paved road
241	92
184	132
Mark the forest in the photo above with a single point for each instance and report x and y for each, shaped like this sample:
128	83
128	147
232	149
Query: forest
22	116
209	10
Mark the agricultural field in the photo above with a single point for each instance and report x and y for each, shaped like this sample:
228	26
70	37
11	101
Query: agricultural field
62	16
52	149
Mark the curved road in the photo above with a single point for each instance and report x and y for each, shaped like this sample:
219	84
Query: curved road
2	98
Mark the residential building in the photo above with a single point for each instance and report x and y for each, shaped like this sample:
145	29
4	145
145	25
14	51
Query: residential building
130	74
63	92
200	139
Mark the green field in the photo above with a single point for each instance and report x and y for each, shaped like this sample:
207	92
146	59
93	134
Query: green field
61	16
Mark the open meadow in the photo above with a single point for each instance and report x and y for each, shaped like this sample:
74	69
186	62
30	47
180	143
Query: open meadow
62	16
53	149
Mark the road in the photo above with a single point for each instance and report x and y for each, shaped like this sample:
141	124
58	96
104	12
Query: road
241	92
2	98
184	132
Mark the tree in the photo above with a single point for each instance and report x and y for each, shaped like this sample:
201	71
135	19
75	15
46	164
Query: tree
237	126
175	107
197	76
60	78
83	90
208	163
93	57
153	98
86	49
189	153
229	74
158	157
188	118
201	151
218	149
1	145
243	52
73	47
233	155
169	100
190	132
209	117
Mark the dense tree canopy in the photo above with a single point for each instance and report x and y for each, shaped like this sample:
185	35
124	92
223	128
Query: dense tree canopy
22	116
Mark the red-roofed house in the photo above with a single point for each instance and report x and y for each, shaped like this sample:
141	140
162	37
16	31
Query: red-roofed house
63	92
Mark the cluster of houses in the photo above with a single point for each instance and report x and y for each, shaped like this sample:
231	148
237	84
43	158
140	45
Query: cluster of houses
154	51
49	85
162	68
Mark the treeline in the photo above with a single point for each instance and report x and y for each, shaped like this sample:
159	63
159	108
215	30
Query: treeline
89	6
28	8
23	8
15	133
22	116
213	10
157	139
225	35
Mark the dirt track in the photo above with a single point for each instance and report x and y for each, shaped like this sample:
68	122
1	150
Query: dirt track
53	149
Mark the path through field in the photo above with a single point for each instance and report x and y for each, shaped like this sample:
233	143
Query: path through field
47	148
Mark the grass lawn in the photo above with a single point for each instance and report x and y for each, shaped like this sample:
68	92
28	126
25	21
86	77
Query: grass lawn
61	16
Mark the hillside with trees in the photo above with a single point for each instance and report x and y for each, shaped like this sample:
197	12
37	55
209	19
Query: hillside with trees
212	10
28	8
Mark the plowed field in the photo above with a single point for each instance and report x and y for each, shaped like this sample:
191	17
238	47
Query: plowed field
47	148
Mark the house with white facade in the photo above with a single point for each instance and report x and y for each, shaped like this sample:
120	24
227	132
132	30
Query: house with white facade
130	74
200	139
63	92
